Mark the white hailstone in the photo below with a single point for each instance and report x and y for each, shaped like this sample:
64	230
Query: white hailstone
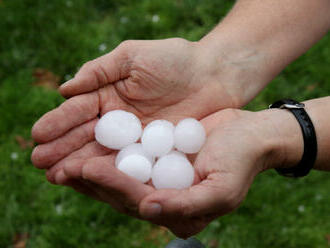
189	136
117	129
158	138
135	148
177	153
136	166
172	171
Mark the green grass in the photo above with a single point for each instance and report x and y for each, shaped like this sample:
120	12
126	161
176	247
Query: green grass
60	36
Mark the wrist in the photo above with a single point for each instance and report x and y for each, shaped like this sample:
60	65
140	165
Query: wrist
285	140
242	69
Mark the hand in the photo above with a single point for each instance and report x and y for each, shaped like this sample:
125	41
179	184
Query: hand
240	145
162	79
153	79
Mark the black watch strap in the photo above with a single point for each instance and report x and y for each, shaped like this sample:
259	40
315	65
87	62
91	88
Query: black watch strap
310	144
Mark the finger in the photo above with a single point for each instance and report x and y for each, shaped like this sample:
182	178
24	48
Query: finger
71	175
69	114
73	162
45	155
91	190
79	186
57	174
101	171
112	199
82	188
207	198
99	72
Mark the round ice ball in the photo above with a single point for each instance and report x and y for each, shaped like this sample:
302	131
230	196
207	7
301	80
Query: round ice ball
189	136
117	129
136	166
172	171
158	138
177	153
135	148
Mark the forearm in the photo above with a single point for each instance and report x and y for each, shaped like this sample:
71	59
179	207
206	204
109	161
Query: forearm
264	36
287	141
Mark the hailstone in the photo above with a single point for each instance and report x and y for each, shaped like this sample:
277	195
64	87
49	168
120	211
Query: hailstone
117	129
135	148
172	171
136	166
189	136
158	138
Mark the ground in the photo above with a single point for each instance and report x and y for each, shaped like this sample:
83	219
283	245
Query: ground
44	43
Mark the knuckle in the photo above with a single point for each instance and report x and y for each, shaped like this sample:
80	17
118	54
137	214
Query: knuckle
70	170
38	133
73	105
37	158
87	172
35	132
93	172
232	113
50	176
87	66
127	44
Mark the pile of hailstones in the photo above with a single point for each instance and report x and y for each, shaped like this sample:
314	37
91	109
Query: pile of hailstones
161	155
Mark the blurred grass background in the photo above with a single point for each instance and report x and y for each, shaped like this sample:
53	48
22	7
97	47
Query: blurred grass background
59	36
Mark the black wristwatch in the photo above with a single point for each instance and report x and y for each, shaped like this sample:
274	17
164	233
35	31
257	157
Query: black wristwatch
310	143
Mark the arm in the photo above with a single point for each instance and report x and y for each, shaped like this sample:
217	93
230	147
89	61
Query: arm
263	37
289	142
240	145
163	79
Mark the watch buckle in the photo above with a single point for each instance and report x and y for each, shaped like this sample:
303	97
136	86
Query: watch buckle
292	106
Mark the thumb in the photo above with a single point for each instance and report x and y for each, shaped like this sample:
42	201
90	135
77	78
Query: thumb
96	73
209	197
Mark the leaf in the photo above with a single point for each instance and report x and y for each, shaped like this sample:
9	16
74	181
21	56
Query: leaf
213	243
157	232
46	79
20	240
23	143
327	238
311	87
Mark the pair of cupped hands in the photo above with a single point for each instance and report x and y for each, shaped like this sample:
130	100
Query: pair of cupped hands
163	79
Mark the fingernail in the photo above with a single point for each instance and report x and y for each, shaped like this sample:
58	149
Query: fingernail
60	177
153	210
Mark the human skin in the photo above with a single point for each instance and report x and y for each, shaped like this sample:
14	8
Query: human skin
265	36
260	140
223	177
172	79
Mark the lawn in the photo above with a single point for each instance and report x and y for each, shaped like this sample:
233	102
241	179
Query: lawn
43	43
